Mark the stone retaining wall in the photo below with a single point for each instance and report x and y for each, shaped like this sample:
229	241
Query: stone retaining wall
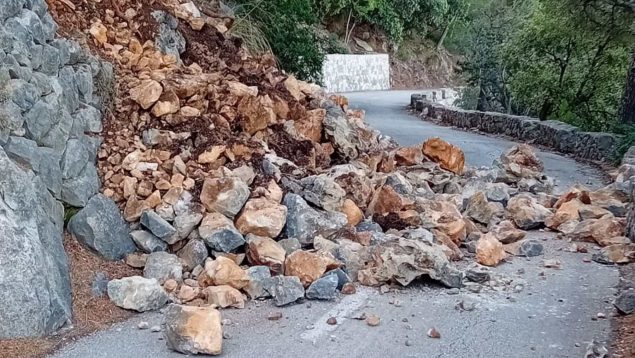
49	119
556	135
349	73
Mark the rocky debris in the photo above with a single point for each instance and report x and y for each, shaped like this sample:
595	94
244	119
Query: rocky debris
603	231
530	248
163	266
262	217
267	252
480	209
507	233
625	302
405	260
526	212
223	271
258	280
100	226
193	330
305	223
220	234
224	296
616	254
489	251
147	242
137	293
284	289
159	227
324	288
224	195
433	333
305	265
373	320
450	157
193	254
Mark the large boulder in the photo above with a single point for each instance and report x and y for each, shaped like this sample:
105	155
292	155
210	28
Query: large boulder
137	293
193	330
527	213
449	157
305	223
262	217
35	298
267	252
602	231
101	228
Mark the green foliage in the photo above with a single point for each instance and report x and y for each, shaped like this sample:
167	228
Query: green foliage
560	59
69	212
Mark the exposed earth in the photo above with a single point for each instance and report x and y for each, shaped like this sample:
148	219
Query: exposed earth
534	312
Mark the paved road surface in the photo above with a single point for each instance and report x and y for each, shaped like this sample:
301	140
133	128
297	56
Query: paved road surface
541	313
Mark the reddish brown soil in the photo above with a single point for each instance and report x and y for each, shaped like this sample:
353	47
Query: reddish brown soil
90	313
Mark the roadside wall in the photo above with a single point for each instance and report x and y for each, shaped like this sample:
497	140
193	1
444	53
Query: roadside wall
559	136
49	119
350	73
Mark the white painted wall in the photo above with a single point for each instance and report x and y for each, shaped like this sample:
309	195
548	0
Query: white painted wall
350	73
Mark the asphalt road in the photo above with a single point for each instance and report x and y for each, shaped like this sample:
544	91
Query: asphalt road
534	312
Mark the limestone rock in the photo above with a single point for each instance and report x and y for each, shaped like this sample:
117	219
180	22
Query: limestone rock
305	265
323	192
224	296
267	252
479	209
305	223
324	288
223	271
147	93
193	330
101	228
601	231
147	242
448	156
625	302
193	254
185	222
159	227
507	233
258	276
162	267
616	254
262	217
526	213
405	260
285	289
219	233
137	293
489	251
224	195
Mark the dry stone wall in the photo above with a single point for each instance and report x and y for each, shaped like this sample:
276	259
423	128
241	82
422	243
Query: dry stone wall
50	117
559	136
349	73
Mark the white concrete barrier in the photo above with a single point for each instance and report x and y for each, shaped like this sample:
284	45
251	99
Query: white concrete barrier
350	73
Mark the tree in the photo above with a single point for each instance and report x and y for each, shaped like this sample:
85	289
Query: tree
627	110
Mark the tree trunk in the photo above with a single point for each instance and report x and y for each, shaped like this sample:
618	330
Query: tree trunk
445	33
627	111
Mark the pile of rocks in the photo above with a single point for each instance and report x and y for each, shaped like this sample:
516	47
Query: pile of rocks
240	182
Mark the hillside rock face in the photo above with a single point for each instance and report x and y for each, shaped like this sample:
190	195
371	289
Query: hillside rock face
48	116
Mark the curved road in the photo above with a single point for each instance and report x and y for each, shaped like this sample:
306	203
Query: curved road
537	312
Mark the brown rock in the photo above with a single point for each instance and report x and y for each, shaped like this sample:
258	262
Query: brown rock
443	216
293	86
267	252
224	296
386	200
481	210
262	217
307	266
623	253
136	260
489	251
566	211
408	156
353	213
310	127
526	213
188	293
212	155
241	90
522	162
373	320
506	232
433	333
223	271
601	231
348	289
147	93
256	115
168	103
193	330
170	285
331	321
448	156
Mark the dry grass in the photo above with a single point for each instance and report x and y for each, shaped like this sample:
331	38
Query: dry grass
89	313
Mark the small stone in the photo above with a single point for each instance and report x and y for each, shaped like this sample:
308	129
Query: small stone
331	321
552	263
625	303
433	333
324	288
159	227
408	343
170	285
348	289
155	329
601	315
285	289
274	316
143	325
530	248
373	320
